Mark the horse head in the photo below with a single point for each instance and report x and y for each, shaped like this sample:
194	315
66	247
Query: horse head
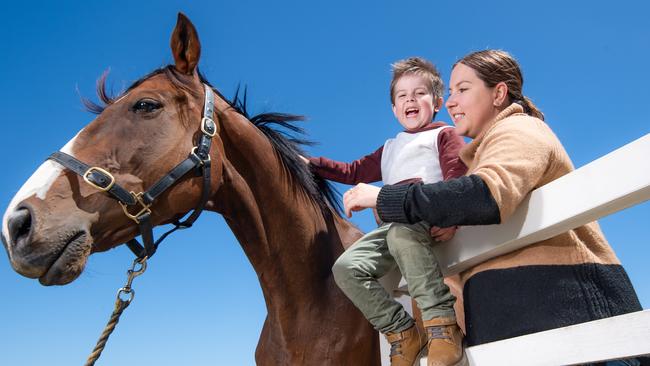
59	217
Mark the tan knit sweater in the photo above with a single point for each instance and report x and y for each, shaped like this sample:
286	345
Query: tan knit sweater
515	155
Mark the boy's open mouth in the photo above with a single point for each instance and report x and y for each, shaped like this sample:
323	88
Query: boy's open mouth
412	112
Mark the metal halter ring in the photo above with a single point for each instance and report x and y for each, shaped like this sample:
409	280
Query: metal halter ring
145	207
88	172
193	152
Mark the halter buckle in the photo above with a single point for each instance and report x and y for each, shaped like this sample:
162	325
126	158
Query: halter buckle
145	208
208	126
88	172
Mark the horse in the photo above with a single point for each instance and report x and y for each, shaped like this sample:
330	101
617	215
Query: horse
284	220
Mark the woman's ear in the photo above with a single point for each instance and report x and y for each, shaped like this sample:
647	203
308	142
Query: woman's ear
500	94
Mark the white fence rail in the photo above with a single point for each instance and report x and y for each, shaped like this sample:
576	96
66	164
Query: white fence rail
580	197
583	196
622	336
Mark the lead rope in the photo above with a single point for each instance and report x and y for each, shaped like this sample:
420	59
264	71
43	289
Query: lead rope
120	306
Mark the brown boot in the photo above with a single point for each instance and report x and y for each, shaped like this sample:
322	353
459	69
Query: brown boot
445	343
406	346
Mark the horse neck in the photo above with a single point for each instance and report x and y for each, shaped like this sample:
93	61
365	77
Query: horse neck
284	233
292	245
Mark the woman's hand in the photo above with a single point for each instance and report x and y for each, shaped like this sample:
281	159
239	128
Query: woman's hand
359	198
442	234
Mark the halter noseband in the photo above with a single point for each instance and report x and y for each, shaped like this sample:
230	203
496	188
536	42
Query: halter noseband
199	159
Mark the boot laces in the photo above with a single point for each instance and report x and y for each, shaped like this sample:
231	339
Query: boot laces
395	348
437	333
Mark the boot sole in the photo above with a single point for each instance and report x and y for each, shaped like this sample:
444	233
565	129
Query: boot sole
463	361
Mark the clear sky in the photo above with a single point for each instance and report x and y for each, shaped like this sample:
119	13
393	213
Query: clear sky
585	65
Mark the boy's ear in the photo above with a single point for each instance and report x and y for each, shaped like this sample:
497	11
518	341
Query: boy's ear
394	110
437	104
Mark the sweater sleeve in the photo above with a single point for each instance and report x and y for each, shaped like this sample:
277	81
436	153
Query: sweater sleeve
364	170
449	145
458	201
514	159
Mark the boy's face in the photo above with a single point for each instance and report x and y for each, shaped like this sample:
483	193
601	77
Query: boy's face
414	104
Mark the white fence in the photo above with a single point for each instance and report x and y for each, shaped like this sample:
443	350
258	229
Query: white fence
593	192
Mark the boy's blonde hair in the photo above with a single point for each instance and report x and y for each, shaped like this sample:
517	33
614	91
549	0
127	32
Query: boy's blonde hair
417	66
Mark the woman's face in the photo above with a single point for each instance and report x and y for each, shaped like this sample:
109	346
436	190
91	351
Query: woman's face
471	104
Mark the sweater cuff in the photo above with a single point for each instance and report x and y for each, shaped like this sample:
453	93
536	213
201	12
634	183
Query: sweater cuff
390	203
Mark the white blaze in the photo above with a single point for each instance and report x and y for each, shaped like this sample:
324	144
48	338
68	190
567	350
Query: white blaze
38	184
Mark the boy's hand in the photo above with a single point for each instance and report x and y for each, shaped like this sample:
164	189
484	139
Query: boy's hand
442	234
359	198
304	159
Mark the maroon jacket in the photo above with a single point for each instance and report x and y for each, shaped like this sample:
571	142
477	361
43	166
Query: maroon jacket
368	168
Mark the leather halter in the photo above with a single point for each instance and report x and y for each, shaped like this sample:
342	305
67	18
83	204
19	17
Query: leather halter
198	160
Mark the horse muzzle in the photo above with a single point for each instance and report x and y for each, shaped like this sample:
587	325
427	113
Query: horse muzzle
55	255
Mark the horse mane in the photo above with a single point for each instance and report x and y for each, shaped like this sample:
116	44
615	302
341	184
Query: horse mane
281	130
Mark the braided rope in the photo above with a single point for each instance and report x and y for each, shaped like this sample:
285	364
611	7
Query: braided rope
120	305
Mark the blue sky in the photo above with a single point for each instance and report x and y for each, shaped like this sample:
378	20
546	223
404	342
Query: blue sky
585	66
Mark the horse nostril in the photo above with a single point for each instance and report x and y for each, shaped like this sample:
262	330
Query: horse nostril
19	225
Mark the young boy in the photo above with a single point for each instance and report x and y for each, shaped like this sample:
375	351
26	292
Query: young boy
426	151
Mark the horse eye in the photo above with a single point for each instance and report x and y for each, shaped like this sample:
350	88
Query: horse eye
146	106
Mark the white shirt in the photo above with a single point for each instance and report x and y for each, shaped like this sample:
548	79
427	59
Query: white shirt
412	156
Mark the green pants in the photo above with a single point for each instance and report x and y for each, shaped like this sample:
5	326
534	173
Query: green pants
375	254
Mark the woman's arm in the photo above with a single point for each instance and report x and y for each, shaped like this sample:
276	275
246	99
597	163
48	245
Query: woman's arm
459	201
514	160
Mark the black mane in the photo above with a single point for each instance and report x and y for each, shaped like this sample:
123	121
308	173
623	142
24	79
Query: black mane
280	128
288	144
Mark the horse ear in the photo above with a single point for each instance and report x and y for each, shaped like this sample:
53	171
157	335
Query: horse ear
185	45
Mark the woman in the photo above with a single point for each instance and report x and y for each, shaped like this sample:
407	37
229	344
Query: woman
571	278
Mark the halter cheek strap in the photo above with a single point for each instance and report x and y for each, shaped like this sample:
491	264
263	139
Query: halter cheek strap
137	206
